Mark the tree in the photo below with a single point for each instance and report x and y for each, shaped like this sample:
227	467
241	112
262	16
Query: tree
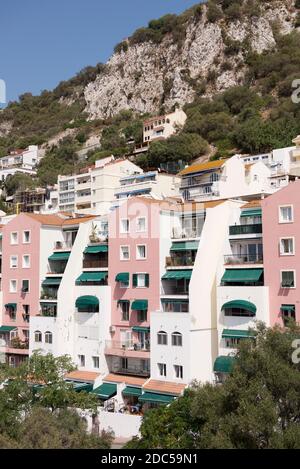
39	385
258	406
18	181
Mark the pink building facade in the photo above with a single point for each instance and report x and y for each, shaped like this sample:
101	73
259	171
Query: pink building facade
20	283
281	244
134	276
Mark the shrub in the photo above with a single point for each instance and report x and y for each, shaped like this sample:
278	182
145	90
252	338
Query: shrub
121	47
214	13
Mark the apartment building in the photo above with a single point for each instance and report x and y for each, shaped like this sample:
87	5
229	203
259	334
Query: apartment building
281	215
225	179
17	161
150	184
28	241
92	191
162	127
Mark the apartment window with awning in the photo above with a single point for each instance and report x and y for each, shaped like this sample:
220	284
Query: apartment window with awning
239	308
288	279
87	304
240	277
288	313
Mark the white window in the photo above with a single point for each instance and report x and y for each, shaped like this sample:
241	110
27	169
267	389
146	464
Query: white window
177	339
124	225
26	236
25	286
13	262
162	338
141	224
14	335
286	214
141	280
96	362
26	261
125	253
81	360
48	337
141	251
287	246
38	336
178	370
162	369
288	278
14	237
12	286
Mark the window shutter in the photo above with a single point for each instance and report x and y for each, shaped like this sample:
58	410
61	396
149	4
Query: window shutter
147	280
134	280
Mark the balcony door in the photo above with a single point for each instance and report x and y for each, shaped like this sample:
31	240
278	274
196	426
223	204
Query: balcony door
126	338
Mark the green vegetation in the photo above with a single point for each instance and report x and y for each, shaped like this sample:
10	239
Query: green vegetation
38	407
258	406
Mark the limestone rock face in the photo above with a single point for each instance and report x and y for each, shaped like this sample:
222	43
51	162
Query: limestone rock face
148	75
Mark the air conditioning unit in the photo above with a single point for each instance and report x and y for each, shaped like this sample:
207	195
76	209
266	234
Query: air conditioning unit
112	329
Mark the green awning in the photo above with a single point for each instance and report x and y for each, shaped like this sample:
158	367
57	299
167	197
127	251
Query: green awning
92	277
185	246
156	398
11	305
241	304
242	275
224	364
237	334
96	249
251	213
123	277
288	308
59	256
172	301
78	387
7	328
140	329
51	281
131	391
86	301
177	275
140	305
105	391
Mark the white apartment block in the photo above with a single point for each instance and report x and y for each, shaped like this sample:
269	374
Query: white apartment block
17	161
162	127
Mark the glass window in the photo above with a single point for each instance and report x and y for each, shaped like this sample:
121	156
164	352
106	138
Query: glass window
177	339
26	236
162	369
124	305
26	261
14	238
286	214
38	336
288	279
141	316
124	225
141	224
178	369
96	362
125	253
48	337
13	286
13	262
81	360
162	338
25	286
286	246
141	252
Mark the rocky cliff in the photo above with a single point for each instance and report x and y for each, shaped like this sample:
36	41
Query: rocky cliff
146	76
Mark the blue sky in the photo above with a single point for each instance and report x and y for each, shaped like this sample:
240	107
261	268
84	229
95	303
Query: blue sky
45	41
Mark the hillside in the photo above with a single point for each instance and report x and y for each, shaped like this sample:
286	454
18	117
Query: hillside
230	63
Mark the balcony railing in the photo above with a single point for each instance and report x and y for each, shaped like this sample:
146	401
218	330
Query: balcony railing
179	261
95	264
186	233
131	370
62	245
245	229
129	345
17	344
233	259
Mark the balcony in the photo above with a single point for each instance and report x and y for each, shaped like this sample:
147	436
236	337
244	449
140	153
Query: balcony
62	246
180	261
131	370
236	259
49	295
95	263
245	229
15	346
129	349
186	233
